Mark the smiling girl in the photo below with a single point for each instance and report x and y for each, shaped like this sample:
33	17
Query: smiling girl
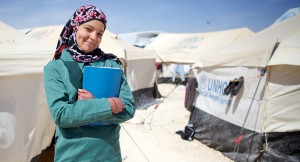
73	109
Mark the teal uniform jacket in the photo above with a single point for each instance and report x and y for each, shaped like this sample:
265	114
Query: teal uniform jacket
76	140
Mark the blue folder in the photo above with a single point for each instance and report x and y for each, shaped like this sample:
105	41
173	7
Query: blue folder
102	82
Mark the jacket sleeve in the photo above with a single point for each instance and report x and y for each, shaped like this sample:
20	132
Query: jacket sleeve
67	111
127	99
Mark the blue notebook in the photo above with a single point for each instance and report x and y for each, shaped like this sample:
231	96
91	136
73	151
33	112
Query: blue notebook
102	82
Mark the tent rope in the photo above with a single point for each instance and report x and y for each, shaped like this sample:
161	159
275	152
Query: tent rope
152	114
262	74
156	106
135	143
240	137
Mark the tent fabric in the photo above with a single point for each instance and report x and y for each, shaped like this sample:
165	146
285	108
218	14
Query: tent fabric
256	50
26	127
20	54
135	73
21	44
186	48
283	85
46	34
288	52
139	39
287	15
266	106
111	44
211	98
141	77
222	136
282	99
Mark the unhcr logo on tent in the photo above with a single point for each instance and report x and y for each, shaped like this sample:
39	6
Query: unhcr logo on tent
213	88
41	34
8	41
185	46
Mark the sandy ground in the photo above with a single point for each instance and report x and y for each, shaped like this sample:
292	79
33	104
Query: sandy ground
150	135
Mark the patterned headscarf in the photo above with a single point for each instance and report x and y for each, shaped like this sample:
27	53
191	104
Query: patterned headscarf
67	37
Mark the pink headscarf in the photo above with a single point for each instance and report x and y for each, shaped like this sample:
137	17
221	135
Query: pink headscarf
67	37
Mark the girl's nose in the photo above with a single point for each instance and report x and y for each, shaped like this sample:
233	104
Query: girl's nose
93	36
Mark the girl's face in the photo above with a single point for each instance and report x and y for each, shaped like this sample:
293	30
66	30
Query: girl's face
89	35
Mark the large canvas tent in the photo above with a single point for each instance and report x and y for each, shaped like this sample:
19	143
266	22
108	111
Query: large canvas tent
139	39
139	64
25	124
287	15
186	48
261	122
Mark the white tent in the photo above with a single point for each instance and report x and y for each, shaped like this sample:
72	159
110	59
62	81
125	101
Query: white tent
26	127
139	39
287	15
261	122
46	34
186	48
139	65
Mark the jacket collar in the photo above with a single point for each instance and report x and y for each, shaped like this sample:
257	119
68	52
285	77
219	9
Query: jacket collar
66	56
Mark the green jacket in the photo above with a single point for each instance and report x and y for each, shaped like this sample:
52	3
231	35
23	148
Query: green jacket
75	140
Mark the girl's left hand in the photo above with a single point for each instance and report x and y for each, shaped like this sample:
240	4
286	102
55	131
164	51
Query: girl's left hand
84	94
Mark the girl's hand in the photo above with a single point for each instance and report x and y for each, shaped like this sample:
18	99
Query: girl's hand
84	94
116	105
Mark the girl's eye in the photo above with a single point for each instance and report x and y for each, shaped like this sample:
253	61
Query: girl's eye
88	29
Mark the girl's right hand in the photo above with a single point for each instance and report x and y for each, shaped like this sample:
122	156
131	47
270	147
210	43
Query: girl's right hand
116	105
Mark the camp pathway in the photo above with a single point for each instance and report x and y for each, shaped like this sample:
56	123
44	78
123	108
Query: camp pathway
150	135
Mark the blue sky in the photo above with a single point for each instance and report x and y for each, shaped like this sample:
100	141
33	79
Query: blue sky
125	16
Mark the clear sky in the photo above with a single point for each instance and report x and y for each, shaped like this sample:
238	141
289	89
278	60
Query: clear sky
177	16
